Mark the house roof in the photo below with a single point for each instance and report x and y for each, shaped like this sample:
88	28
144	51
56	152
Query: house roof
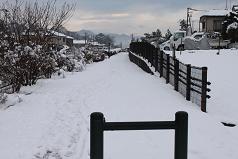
61	35
215	13
235	8
69	37
96	43
79	41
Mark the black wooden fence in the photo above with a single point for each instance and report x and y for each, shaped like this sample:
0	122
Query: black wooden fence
141	63
190	81
98	125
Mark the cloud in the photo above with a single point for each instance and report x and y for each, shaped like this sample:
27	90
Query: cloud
134	16
120	15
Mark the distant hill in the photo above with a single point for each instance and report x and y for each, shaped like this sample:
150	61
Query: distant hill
119	39
83	31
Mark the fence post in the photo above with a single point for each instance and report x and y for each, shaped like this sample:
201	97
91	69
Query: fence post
96	135
174	51
154	50
156	59
151	56
161	63
181	135
176	74
167	68
146	53
204	89
188	81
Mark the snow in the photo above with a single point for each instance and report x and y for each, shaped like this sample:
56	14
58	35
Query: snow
216	12
232	26
11	100
69	37
53	121
115	50
79	41
58	34
61	35
95	43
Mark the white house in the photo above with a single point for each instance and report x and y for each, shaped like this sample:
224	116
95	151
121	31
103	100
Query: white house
62	39
212	20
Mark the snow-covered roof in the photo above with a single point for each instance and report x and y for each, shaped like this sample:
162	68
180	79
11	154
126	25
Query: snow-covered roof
235	8
96	43
61	35
215	12
58	34
69	37
79	41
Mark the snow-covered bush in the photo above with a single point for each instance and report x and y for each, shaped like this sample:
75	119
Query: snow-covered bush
89	57
25	38
3	98
70	60
230	27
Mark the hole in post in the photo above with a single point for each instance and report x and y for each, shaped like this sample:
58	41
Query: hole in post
228	124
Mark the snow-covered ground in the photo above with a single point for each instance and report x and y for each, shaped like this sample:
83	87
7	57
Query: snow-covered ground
53	121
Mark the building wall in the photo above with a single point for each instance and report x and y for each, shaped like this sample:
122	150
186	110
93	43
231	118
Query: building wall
69	42
59	40
212	24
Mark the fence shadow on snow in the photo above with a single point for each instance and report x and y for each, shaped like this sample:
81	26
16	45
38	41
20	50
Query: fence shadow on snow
188	80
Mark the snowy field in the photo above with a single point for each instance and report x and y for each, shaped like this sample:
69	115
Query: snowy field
53	121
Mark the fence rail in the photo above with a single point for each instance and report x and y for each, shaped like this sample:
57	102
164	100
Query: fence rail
190	81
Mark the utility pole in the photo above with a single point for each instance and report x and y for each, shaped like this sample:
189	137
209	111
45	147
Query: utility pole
85	38
187	21
109	46
132	37
226	5
189	17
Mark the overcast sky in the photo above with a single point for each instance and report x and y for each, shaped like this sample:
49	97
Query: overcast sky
135	16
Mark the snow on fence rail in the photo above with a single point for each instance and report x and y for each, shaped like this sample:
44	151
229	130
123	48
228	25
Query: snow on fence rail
188	80
142	64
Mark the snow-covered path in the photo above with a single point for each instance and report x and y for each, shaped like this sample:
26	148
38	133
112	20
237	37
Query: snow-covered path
53	121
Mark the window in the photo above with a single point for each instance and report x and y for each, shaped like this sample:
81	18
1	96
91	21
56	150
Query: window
178	35
217	25
203	25
198	37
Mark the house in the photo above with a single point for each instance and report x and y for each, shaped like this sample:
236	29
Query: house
211	20
235	8
79	43
62	39
69	41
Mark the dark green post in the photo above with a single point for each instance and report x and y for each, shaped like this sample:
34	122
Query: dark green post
156	59
204	90
161	63
176	74
96	135
188	82
181	135
167	68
